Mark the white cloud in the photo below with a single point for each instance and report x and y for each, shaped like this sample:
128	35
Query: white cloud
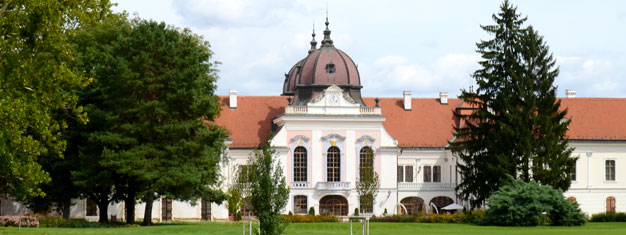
591	66
392	74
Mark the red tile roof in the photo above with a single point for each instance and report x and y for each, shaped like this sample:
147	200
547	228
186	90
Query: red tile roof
428	124
596	118
251	123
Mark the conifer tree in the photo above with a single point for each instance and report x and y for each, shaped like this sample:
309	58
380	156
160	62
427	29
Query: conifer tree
517	127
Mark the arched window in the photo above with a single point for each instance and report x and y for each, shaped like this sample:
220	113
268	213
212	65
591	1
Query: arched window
610	205
413	205
299	204
333	164
299	164
440	202
366	164
334	205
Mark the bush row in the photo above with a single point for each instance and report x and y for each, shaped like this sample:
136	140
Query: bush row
27	221
464	217
59	222
609	217
310	218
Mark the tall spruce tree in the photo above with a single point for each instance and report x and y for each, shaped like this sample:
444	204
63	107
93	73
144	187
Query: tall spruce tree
517	127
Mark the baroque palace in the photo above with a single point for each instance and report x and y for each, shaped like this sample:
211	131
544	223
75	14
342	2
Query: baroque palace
325	131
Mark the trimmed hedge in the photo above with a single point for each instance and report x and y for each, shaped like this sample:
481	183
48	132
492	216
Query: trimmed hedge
609	217
309	218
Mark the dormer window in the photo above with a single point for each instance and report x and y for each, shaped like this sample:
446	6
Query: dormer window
330	68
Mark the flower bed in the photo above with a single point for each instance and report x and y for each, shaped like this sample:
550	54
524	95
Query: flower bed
26	221
310	218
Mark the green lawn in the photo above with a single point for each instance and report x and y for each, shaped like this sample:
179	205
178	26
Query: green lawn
334	228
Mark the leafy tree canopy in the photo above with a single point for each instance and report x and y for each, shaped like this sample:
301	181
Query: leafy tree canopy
35	82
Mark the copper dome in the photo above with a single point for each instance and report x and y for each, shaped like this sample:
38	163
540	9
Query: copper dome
323	67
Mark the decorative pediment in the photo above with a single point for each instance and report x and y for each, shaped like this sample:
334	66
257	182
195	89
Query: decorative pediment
366	140
300	140
333	136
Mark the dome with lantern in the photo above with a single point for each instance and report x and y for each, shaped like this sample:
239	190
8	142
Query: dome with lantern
323	67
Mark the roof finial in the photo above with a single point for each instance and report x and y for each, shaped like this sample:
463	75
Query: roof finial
327	41
313	42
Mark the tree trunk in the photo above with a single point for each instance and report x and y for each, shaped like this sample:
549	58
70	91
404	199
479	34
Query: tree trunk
66	205
147	216
103	206
129	203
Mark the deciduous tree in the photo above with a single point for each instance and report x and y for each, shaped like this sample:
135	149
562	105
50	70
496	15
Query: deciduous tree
36	82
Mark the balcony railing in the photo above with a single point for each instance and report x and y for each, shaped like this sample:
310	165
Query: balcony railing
426	186
370	110
299	185
296	109
333	186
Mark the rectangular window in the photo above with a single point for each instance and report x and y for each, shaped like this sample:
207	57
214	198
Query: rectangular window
299	204
572	172
610	170
366	203
205	210
400	174
436	173
427	174
166	209
92	207
408	172
243	173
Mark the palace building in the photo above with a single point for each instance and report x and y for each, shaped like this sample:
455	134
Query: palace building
325	132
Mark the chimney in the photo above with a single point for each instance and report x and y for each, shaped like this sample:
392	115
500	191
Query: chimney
443	97
407	100
233	99
569	93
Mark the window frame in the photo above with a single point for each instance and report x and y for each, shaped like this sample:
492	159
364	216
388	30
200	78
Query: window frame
427	173
436	174
300	164
610	170
333	168
408	171
298	202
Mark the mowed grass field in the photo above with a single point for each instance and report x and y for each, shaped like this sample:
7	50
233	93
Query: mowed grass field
333	228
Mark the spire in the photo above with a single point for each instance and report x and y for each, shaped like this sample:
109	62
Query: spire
327	41
313	42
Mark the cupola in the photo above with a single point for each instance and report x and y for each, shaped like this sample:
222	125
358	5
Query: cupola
321	68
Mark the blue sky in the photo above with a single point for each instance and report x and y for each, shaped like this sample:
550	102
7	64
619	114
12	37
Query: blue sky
422	46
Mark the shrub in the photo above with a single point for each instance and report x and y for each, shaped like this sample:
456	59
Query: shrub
609	217
312	211
356	211
465	217
309	218
52	221
27	221
385	212
523	203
